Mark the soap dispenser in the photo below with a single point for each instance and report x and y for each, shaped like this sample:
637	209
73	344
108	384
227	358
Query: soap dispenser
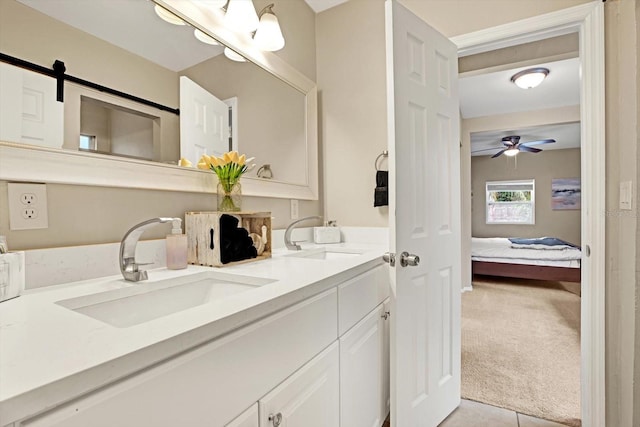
176	247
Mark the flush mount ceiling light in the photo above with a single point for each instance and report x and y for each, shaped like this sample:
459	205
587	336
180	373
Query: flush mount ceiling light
269	35
168	16
530	78
241	16
205	38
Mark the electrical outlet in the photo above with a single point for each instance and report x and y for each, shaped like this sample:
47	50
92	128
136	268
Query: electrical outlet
28	199
29	213
294	209
27	206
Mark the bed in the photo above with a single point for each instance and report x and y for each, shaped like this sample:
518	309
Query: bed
525	259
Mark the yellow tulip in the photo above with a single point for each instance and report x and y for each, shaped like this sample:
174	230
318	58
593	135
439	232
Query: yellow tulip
203	165
184	162
214	161
242	160
234	157
227	158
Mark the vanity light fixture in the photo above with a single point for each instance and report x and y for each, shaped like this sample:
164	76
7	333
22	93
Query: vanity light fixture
233	55
167	16
529	78
205	38
241	16
268	36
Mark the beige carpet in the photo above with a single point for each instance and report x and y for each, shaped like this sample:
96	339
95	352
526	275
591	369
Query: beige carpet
521	348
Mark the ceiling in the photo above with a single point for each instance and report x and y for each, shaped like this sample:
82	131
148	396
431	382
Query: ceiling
133	26
493	93
322	5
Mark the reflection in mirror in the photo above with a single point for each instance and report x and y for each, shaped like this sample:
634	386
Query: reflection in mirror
112	129
269	122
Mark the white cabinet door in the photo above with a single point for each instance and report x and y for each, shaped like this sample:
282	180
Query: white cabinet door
361	366
309	398
248	418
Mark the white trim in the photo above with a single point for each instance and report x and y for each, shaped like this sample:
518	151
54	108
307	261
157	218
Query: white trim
588	20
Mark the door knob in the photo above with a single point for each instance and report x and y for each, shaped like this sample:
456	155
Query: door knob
390	258
276	419
407	259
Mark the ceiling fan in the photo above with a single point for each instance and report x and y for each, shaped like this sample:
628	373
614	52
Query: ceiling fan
513	146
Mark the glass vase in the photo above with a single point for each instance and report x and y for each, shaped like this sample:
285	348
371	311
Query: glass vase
229	197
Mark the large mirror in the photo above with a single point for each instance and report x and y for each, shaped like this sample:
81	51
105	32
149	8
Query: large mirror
270	107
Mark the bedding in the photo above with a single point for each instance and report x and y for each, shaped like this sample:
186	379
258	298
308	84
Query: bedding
496	256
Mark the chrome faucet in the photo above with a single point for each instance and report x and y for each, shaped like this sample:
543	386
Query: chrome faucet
287	234
128	265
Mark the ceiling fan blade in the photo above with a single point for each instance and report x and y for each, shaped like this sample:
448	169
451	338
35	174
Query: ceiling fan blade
499	153
529	149
541	141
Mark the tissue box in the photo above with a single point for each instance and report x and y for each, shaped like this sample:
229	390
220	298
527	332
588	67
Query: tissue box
203	236
326	235
11	275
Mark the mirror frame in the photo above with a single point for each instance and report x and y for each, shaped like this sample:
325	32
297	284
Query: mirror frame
22	162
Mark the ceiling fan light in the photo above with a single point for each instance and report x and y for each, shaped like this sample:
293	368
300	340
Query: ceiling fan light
167	16
269	35
205	38
232	55
511	152
241	16
530	78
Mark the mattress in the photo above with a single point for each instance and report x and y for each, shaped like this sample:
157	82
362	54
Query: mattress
498	249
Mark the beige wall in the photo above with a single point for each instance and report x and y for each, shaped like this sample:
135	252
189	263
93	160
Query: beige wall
353	114
543	167
81	215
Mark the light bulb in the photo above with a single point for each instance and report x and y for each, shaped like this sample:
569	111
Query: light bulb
205	38
168	16
233	55
241	16
269	35
511	152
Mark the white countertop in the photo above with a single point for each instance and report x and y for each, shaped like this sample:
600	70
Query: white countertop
50	354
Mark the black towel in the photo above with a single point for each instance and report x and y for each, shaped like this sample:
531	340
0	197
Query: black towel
235	243
381	193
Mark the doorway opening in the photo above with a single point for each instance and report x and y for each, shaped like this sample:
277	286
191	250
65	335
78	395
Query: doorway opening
586	22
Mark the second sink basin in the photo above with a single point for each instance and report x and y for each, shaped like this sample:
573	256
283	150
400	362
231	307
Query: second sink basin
151	300
325	253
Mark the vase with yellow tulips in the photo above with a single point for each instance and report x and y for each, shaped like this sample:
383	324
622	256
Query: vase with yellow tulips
229	168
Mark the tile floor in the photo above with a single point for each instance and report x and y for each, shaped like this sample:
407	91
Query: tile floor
474	414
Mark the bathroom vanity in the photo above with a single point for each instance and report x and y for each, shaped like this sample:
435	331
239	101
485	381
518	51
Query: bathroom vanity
301	339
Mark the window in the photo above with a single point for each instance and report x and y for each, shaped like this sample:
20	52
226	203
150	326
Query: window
511	202
88	142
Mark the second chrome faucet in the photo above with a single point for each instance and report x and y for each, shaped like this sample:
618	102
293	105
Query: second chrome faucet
287	234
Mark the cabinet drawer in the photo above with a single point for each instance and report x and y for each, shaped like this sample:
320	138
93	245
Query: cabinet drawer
248	418
213	383
309	398
360	295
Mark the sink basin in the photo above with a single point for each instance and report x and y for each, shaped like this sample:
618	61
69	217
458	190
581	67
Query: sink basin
325	254
148	301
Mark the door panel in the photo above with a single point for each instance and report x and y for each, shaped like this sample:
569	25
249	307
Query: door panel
204	122
423	123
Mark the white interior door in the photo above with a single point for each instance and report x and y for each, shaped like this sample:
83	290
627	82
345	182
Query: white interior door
29	111
204	122
424	216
